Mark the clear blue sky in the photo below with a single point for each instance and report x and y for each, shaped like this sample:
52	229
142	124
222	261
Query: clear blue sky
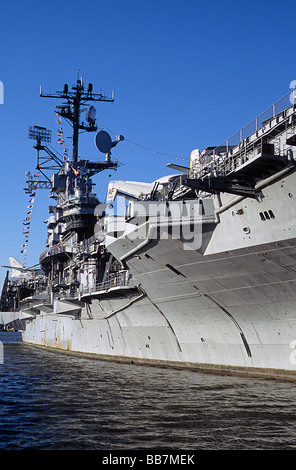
186	73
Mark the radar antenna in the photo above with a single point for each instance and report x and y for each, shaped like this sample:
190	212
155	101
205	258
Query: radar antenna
48	161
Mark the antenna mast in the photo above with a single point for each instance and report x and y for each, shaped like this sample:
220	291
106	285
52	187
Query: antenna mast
71	108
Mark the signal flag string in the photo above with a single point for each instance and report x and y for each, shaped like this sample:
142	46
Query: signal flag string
27	220
61	140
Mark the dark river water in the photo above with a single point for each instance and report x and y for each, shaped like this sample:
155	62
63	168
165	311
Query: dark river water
52	401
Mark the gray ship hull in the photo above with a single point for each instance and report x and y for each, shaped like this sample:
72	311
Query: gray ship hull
231	310
200	272
248	328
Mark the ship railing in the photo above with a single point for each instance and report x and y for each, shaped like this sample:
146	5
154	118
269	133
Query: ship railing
116	281
237	149
224	165
82	247
122	279
72	295
26	304
31	303
57	249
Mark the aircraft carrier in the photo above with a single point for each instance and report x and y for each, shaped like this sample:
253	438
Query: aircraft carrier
199	271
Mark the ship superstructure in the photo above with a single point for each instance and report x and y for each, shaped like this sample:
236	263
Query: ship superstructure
73	259
198	272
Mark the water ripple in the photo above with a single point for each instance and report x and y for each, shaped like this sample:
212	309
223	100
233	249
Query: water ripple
53	401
